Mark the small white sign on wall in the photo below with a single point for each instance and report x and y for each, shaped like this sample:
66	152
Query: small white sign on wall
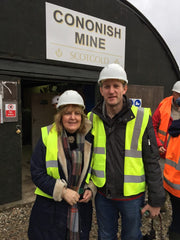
75	37
10	110
136	102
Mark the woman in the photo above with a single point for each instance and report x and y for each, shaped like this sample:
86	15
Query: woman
59	168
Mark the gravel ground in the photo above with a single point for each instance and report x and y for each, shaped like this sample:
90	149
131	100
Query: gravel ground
14	223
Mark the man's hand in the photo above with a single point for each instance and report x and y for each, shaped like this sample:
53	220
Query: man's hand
86	196
162	150
154	211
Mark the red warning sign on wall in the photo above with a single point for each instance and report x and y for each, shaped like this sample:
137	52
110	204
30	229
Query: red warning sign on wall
10	110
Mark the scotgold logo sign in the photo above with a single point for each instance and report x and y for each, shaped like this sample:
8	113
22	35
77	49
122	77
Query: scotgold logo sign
75	37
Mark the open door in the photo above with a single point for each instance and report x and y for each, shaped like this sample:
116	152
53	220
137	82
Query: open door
42	114
10	140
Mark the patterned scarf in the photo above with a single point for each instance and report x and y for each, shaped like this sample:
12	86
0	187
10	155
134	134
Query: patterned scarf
74	164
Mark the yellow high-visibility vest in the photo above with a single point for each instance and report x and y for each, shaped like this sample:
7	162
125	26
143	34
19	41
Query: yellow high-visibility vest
50	140
134	176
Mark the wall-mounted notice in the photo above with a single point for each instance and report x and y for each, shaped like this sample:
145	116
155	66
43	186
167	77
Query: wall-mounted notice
1	102
10	111
1	109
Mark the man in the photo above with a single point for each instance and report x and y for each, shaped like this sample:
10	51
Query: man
167	111
54	101
125	158
166	122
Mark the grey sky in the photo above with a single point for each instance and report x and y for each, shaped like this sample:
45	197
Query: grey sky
164	15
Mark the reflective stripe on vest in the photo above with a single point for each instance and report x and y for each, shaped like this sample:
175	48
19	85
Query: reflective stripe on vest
172	167
98	166
165	114
50	140
134	178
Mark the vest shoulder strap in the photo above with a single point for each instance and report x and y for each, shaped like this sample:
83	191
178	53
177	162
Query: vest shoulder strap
45	132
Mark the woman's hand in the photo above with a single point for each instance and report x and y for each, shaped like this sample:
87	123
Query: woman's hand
86	196
70	196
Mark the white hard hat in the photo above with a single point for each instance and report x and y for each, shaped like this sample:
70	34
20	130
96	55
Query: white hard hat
70	97
176	87
113	71
55	100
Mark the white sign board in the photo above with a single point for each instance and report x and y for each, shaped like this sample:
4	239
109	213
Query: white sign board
75	37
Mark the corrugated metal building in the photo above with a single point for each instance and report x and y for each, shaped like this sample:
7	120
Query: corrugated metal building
30	75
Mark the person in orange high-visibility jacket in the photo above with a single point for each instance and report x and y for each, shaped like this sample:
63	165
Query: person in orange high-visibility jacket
166	112
172	165
172	176
162	119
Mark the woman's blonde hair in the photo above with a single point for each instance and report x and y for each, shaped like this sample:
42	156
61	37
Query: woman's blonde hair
61	112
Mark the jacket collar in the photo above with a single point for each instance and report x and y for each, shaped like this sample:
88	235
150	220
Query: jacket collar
124	115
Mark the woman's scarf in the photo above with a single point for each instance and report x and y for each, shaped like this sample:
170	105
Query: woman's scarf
74	160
